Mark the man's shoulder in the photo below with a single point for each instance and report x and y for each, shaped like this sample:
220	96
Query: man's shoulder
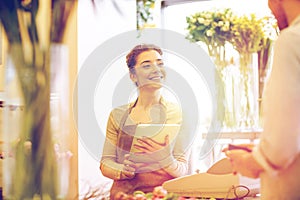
290	36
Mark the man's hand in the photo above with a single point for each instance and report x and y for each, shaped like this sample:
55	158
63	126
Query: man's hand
244	163
246	147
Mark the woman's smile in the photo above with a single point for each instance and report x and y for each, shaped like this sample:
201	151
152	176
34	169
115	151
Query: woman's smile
156	78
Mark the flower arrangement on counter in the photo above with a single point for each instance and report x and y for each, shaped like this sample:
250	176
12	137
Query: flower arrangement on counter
216	27
222	30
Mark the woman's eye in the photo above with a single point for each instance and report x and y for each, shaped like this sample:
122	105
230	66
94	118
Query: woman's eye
146	66
160	64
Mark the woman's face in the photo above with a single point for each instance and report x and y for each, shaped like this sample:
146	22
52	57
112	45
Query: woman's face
149	70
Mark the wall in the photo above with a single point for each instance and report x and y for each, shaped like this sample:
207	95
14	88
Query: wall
96	25
70	39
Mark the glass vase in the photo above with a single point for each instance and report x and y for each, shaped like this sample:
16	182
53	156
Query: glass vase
228	74
248	108
231	83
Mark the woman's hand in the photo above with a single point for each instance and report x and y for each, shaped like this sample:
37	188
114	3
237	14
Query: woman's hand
152	149
130	167
244	163
148	145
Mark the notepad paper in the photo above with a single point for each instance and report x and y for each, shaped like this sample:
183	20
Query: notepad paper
157	132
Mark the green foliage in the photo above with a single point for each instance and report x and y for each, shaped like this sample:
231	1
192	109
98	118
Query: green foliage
144	12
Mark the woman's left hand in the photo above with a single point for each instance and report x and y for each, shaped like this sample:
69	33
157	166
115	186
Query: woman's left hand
244	163
148	145
158	152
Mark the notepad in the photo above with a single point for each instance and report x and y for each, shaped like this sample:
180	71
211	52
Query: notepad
157	132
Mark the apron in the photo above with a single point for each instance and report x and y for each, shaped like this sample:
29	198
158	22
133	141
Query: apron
146	181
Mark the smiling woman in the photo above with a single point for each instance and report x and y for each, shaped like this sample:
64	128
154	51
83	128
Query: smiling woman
147	71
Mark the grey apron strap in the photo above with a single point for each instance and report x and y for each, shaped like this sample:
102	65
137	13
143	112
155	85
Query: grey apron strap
125	137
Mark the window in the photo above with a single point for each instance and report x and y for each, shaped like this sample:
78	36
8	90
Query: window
173	17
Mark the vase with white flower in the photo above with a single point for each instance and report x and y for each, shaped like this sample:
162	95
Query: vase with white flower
213	28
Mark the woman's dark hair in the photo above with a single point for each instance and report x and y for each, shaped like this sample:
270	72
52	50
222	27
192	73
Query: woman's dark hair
137	50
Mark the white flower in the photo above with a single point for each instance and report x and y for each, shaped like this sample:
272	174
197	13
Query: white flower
193	20
225	28
220	23
200	20
206	22
209	33
227	16
208	15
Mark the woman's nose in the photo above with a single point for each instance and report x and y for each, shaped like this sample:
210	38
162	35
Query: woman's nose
156	68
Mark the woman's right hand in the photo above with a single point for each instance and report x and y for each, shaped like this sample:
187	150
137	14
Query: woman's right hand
130	167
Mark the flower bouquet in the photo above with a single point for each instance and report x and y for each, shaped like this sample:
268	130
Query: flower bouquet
213	28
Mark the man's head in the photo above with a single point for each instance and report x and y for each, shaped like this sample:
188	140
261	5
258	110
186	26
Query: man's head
285	11
278	10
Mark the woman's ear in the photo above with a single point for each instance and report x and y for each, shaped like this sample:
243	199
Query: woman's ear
133	77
